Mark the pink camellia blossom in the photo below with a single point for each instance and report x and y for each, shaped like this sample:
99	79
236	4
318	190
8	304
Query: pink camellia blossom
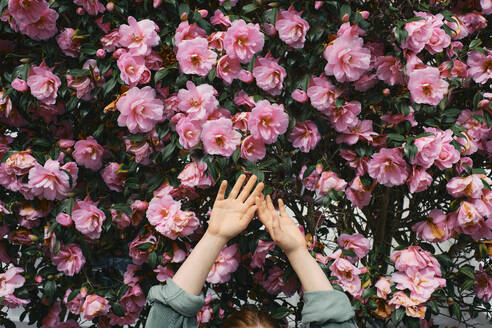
139	37
121	219
253	149
10	280
414	257
138	255
88	219
439	39
220	19
418	180
240	121
243	40
197	101
88	153
426	86
162	209
27	12
361	131
64	219
470	186
189	133
92	7
292	29
268	121
132	69
419	34
165	214
193	175
261	252
269	74
435	228
185	31
322	93
226	263
356	243
347	58
19	85
43	83
299	96
388	167
133	302
480	66
219	137
383	287
413	306
358	194
328	181
140	109
68	43
486	6
344	117
390	70
228	69
483	285
421	283
114	179
94	306
75	305
49	181
42	29
195	57
305	136
69	259
347	274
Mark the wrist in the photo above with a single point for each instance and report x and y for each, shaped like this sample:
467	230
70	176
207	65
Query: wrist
215	238
297	252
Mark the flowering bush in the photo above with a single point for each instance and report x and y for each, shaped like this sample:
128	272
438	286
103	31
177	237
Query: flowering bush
371	119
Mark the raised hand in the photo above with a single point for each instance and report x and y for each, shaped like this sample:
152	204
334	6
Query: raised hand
283	230
231	215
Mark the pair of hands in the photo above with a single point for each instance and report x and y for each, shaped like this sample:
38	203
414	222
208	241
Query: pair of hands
231	215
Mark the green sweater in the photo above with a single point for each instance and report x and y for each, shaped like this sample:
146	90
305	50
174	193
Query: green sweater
172	307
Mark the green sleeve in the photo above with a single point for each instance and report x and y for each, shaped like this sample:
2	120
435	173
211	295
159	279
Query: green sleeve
328	309
172	307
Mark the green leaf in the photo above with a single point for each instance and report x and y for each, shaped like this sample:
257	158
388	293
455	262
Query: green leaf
280	312
78	72
368	293
153	260
50	290
73	294
308	171
144	246
123	207
122	290
164	72
397	315
467	284
434	307
456	311
167	151
467	271
109	86
118	309
249	8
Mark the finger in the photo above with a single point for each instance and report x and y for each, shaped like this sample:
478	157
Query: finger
281	207
270	204
222	190
248	216
256	192
275	226
247	189
237	187
263	212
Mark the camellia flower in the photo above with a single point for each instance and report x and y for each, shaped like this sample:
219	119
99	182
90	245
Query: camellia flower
197	101
268	121
436	228
414	257
419	34
305	136
269	74
261	251
253	149
426	86
193	175
418	180
226	263
483	286
322	93
327	181
43	83
470	186
243	40
69	259
390	70
10	280
139	37
189	133
92	7
42	29
49	181
132	69
27	12
228	69
195	57
88	153
94	306
292	29
356	243
88	219
344	117
421	283
219	137
113	179
388	167
480	66
68	43
383	287
140	110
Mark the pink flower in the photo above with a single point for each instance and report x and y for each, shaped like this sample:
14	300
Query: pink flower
228	69
94	306
426	86
292	29
435	229
219	137
75	305
88	219
220	19
139	37
189	133
92	7
193	175
240	121
388	167
243	40
26	12
268	121
383	287
139	255
480	66
419	34
345	116
439	39
185	31
483	285
253	149
421	283
347	274
322	93
470	186
19	85
356	243
49	182
10	280
390	70
226	263
132	69
328	181
311	180
305	136
43	83
64	219
132	301
418	180
486	6
299	95
67	42
44	28
362	130
140	109
69	259
88	153
198	101
114	179
347	58
163	272
195	57
414	257
261	252
269	74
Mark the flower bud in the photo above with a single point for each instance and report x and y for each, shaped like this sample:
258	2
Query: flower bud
100	53
110	6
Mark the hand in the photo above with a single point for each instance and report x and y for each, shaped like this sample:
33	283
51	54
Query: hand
283	230
232	215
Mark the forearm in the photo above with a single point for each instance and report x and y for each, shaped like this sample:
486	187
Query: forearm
193	272
309	272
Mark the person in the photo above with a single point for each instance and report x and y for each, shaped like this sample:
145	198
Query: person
176	303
